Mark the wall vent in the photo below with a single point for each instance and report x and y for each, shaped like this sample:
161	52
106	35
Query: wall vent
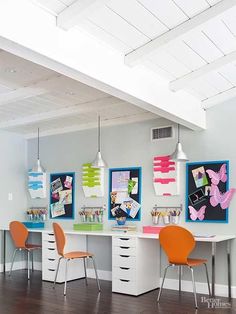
162	133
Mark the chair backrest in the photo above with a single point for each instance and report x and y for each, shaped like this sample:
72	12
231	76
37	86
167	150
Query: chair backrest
60	238
19	233
177	242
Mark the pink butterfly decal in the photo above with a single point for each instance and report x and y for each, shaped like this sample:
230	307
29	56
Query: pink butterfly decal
197	214
216	197
216	177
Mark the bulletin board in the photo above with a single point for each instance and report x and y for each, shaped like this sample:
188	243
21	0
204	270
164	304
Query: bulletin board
62	195
207	191
125	192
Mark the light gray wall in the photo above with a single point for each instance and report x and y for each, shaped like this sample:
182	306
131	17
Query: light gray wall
13	180
130	145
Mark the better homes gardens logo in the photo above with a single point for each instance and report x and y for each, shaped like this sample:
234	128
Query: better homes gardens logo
215	303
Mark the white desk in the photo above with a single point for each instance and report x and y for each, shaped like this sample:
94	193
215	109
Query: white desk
137	236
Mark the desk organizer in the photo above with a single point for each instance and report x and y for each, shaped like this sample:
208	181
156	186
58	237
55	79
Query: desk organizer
33	224
92	181
152	229
88	227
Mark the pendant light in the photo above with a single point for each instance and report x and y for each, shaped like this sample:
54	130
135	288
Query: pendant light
37	167
99	162
179	154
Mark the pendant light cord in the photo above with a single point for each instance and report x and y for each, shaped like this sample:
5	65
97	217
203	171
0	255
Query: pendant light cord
99	133
178	134
38	143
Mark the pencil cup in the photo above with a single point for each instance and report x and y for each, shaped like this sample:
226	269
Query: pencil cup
166	219
155	220
99	218
83	218
175	220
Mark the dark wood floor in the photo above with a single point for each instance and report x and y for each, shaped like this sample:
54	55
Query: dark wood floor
18	296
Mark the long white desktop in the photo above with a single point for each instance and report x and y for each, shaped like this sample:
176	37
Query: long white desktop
135	258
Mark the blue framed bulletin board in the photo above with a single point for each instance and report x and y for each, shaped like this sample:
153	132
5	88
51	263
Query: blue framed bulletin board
207	191
124	195
62	189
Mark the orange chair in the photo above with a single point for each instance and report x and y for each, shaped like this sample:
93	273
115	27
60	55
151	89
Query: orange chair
61	242
178	243
19	234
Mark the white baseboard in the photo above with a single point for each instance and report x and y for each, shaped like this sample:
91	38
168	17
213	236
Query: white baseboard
201	287
17	265
102	274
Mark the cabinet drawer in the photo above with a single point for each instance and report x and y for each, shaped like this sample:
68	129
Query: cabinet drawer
124	286
124	261
124	241
51	263
48	237
48	274
123	273
124	250
49	244
50	253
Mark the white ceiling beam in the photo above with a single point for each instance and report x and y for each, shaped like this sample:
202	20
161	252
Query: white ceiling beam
219	98
85	59
105	123
70	16
21	93
183	81
87	107
135	56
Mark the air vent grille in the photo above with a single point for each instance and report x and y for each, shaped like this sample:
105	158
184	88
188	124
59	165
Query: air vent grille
162	133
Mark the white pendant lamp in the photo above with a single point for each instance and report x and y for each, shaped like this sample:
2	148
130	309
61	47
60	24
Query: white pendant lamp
99	162
37	167
179	154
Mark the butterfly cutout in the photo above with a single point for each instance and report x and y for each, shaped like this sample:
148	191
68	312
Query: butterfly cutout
216	197
197	214
216	177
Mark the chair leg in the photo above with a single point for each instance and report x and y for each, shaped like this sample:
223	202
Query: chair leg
208	283
194	287
28	264
162	284
55	279
85	272
67	260
12	262
96	274
32	260
180	270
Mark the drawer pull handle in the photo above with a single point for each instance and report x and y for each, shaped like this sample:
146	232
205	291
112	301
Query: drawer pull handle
124	239
51	259
51	241
124	268
124	256
125	280
51	269
124	247
51	234
51	249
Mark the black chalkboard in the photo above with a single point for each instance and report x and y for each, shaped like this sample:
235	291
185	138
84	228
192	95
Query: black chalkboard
207	192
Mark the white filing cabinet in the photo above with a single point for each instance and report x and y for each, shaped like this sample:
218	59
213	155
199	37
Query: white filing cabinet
135	265
50	258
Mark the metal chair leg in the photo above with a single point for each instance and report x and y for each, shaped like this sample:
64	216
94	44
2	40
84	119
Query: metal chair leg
96	274
85	272
28	262
67	260
55	279
32	260
180	274
162	284
194	287
208	283
12	262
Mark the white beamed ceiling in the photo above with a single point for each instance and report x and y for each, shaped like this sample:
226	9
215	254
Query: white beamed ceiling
129	25
32	96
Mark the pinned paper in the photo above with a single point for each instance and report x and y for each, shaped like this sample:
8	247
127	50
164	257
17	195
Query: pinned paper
68	182
57	209
120	180
130	207
56	186
65	197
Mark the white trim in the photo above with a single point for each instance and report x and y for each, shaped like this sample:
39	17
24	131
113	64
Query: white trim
102	274
135	56
183	81
219	98
17	265
201	287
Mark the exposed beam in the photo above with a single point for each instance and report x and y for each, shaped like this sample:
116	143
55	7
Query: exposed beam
78	9
96	106
105	123
183	81
219	98
135	56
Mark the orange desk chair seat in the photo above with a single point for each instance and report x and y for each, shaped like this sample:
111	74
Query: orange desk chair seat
178	243
61	242
19	234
